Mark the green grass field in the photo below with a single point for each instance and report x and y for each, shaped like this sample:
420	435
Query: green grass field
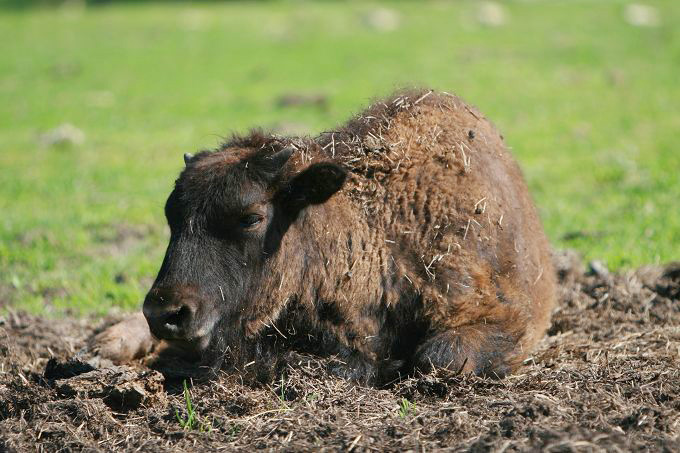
589	103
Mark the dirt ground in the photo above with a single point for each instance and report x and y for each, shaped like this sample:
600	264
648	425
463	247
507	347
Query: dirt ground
606	378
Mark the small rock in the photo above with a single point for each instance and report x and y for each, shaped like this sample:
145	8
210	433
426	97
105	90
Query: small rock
65	134
598	268
383	19
640	15
491	14
193	19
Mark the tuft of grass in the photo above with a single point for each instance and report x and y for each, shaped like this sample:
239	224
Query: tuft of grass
282	394
233	430
406	408
190	421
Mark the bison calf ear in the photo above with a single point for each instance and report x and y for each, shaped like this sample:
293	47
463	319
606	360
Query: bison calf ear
316	184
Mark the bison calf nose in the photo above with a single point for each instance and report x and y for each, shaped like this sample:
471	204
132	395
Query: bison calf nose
168	319
171	324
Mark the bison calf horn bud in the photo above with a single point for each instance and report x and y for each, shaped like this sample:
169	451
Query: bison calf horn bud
280	158
187	158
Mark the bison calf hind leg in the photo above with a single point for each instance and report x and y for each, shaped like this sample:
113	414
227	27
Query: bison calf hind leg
482	349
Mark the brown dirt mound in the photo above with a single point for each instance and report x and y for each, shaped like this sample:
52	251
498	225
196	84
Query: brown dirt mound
606	378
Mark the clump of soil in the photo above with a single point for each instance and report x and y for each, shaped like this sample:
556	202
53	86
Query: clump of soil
606	377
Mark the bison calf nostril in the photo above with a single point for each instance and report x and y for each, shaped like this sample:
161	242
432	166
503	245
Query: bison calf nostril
177	318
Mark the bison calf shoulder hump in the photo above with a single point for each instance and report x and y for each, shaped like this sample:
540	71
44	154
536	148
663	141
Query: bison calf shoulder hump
404	240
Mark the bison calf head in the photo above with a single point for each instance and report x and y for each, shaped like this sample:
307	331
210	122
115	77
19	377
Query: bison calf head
228	213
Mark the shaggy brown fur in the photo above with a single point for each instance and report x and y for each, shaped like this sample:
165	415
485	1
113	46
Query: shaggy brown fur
430	254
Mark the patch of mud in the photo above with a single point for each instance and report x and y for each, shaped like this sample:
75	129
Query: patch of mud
117	239
319	101
605	378
6	294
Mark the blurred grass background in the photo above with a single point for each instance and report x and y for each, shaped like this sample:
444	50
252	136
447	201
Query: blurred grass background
99	101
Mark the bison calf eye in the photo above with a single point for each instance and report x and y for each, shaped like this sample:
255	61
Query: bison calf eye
250	220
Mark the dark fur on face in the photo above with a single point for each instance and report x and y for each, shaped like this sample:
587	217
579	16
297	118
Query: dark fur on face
400	241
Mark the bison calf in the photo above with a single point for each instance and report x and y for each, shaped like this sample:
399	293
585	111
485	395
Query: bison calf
404	240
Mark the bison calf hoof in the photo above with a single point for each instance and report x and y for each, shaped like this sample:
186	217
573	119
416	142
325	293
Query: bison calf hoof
125	341
482	349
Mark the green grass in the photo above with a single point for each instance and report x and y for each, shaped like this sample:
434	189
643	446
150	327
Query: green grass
589	104
406	408
191	421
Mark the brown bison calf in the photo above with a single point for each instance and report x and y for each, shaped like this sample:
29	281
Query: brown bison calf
404	240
